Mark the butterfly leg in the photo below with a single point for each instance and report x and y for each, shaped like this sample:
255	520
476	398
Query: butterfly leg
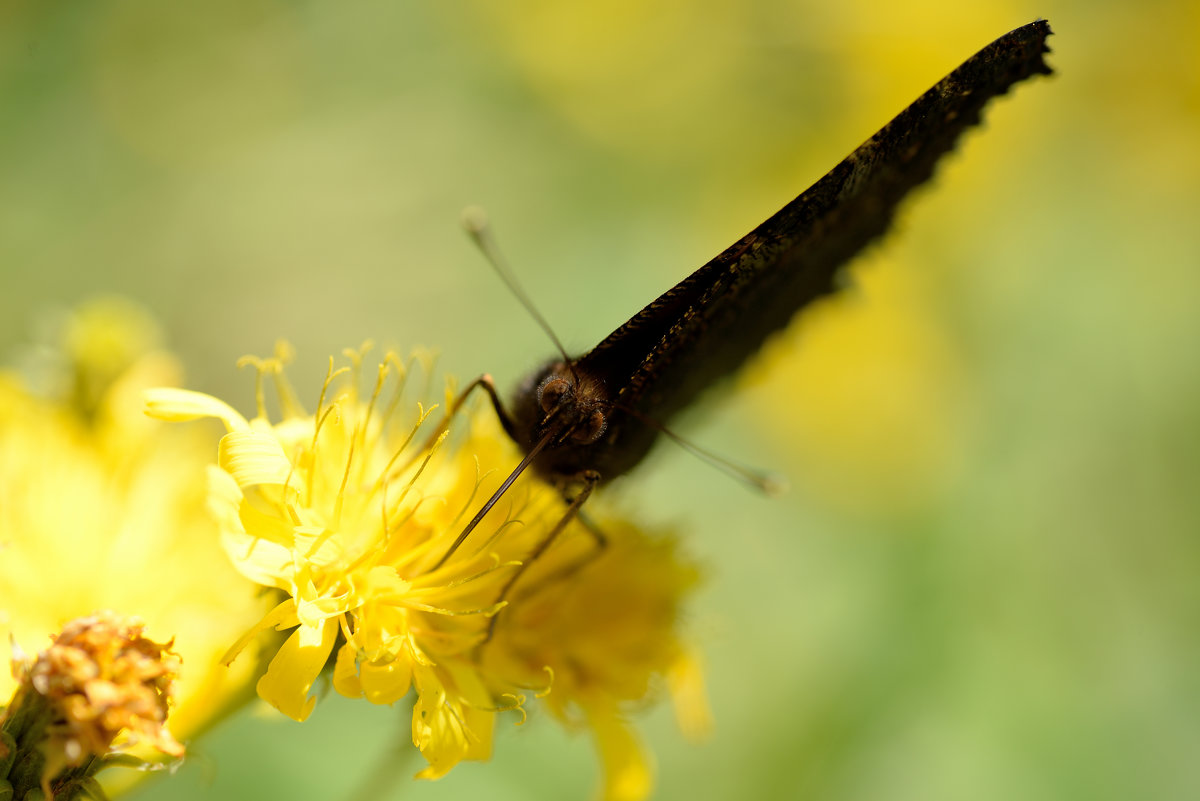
590	479
600	545
485	383
596	532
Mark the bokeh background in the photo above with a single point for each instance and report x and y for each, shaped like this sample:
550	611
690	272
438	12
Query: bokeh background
983	582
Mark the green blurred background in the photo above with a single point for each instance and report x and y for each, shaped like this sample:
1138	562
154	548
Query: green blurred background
983	583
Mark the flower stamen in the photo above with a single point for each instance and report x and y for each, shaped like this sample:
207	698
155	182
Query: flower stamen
386	473
392	358
424	463
341	493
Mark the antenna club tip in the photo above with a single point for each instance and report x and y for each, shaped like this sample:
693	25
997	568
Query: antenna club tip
774	484
474	219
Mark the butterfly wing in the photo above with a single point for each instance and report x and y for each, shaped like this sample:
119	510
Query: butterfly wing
706	326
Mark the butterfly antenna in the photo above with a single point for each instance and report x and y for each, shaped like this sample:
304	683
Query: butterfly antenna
768	483
475	221
487	507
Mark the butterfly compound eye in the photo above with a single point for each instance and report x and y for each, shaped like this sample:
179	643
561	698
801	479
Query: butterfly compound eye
551	393
590	429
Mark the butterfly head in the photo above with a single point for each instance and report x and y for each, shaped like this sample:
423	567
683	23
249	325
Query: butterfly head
572	404
570	414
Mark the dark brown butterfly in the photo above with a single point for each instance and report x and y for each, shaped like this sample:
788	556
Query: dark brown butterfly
596	416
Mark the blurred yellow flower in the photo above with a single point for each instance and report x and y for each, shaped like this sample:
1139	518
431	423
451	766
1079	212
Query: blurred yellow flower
866	396
565	52
607	632
350	512
101	508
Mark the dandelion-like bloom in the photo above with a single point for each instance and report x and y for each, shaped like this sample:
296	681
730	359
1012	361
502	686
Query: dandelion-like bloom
102	508
100	680
352	512
348	512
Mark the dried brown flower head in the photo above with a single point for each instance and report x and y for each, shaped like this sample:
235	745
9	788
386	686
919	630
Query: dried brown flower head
99	687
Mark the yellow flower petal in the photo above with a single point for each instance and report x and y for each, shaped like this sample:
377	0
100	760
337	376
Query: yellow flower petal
292	672
259	559
179	405
628	774
312	612
685	679
345	673
253	458
281	617
452	719
386	683
384	582
264	556
224	497
320	547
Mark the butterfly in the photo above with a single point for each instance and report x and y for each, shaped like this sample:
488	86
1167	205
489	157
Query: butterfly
597	412
594	417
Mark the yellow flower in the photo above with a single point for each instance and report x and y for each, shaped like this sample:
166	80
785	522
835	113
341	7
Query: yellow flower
608	631
351	512
102	508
